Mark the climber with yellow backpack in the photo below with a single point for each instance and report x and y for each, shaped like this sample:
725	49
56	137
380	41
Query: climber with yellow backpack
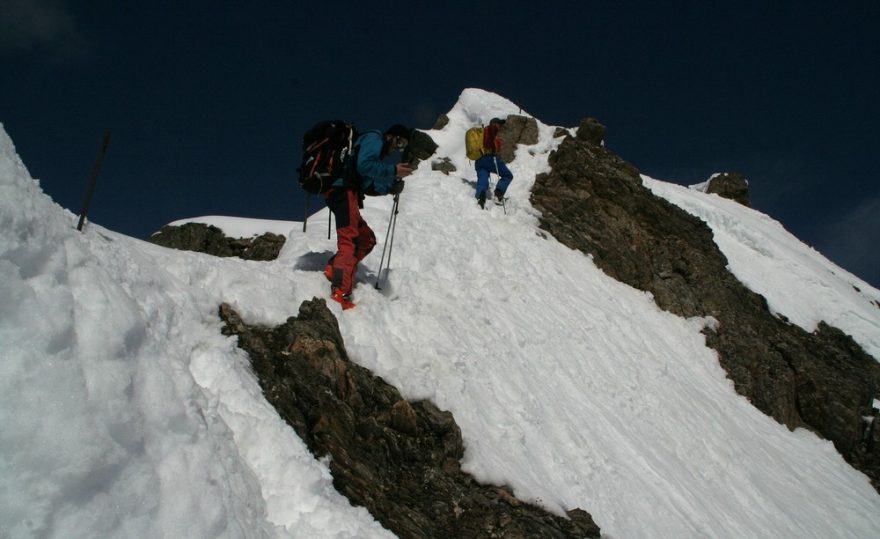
482	146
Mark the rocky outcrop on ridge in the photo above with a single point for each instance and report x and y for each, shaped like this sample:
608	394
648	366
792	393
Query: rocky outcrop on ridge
590	130
517	130
209	239
730	185
594	201
399	459
421	147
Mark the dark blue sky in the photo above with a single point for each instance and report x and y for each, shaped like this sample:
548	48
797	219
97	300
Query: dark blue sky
208	100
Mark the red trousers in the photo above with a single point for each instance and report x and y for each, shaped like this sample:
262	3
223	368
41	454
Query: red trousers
354	237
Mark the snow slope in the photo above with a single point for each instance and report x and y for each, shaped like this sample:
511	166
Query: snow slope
797	281
127	413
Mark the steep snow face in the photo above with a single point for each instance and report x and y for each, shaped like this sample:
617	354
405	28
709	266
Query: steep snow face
572	388
125	413
568	385
797	281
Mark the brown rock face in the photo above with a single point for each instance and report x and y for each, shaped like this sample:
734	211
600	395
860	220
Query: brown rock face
517	130
730	185
595	202
209	239
420	148
397	458
590	130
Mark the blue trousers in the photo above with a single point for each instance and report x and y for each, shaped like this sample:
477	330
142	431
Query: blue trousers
485	166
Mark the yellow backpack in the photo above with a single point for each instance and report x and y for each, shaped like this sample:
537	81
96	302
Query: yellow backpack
473	143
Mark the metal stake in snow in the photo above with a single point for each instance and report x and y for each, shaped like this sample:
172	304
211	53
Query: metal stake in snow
392	225
93	180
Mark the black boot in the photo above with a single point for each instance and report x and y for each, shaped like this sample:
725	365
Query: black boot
482	200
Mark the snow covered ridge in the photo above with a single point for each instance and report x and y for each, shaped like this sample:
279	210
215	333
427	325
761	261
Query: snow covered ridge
728	185
595	202
797	281
570	386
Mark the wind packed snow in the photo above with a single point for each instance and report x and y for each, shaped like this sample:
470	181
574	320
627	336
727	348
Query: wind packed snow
126	413
797	281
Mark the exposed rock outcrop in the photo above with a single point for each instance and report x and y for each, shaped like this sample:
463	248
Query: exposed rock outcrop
209	239
732	185
441	122
397	458
421	147
560	132
517	130
444	165
595	202
590	130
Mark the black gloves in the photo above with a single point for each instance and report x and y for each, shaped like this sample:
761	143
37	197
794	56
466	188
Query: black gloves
396	188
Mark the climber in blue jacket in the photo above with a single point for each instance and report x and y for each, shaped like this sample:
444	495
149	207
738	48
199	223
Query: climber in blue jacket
354	237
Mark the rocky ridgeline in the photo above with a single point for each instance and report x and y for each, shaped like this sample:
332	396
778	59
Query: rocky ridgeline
594	201
209	239
397	458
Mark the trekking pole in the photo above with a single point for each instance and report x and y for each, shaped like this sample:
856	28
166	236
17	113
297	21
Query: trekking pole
503	205
306	211
93	180
391	245
392	225
329	217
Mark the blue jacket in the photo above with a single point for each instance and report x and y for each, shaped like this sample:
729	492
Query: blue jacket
375	176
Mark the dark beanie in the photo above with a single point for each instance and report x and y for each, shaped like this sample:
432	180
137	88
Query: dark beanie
398	130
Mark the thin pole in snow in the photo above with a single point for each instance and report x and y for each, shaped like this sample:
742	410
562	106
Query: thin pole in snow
93	180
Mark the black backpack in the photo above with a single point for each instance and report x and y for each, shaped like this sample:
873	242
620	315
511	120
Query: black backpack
328	154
